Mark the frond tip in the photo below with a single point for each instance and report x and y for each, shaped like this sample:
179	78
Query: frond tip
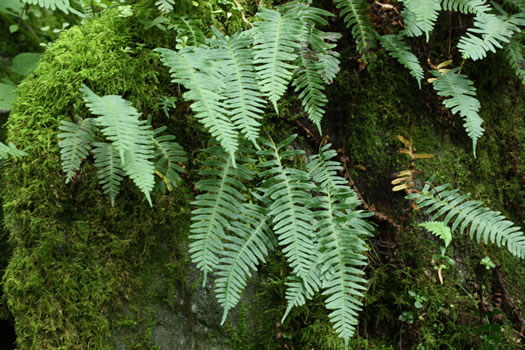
483	223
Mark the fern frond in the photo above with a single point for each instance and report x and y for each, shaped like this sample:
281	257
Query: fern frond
439	229
410	22
193	69
189	28
289	189
75	144
165	6
485	224
354	15
120	123
516	4
343	246
10	150
462	100
398	49
110	173
494	31
62	5
476	7
276	42
216	207
168	154
249	243
513	52
426	12
309	83
242	91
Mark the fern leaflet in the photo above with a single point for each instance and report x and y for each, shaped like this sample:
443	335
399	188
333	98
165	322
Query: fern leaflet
410	22
276	42
439	229
241	88
354	14
216	207
487	225
75	144
62	5
188	28
342	245
165	6
476	7
110	173
398	49
168	155
193	69
513	51
462	100
10	150
426	12
289	189
494	31
250	242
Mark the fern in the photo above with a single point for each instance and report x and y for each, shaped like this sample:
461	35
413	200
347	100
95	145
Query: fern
494	31
10	150
188	28
354	14
462	100
410	23
426	13
513	52
398	49
289	190
242	91
476	7
110	173
165	6
485	224
250	242
439	229
75	144
62	5
192	68
276	43
168	155
344	249
120	123
216	207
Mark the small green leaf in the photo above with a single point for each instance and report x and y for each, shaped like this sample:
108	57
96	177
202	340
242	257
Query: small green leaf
25	62
13	28
7	95
439	229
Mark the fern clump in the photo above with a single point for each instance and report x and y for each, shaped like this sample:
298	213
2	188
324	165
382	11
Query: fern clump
483	223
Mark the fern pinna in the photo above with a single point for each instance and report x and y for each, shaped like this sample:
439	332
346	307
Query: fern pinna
485	224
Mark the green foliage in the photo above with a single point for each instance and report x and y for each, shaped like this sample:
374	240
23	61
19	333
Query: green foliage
354	14
75	145
487	225
165	6
439	229
188	28
462	99
110	173
167	157
426	13
494	31
10	150
62	5
476	7
513	51
398	49
7	95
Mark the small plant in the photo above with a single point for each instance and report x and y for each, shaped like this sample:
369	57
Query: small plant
487	262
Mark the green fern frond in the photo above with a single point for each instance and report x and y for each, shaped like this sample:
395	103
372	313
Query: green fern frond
120	123
289	190
165	6
439	229
75	144
110	173
462	100
10	150
216	207
516	4
410	23
426	12
189	28
354	15
62	5
485	224
168	154
494	31
309	83
344	249
398	49
476	7
513	52
249	243
242	91
276	43
193	69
